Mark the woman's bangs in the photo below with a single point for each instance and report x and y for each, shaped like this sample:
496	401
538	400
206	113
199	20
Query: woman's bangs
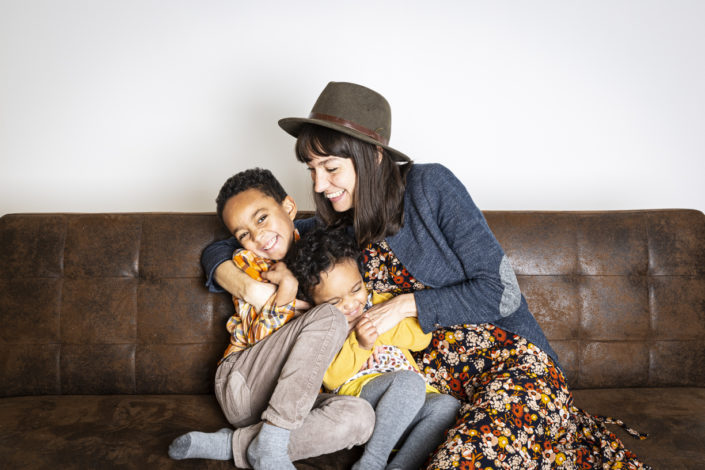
316	141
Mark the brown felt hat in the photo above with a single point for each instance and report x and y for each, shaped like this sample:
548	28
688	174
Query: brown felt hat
354	110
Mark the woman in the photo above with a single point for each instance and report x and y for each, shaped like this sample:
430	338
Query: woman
424	239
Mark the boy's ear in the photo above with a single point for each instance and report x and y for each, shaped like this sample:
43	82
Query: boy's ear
289	206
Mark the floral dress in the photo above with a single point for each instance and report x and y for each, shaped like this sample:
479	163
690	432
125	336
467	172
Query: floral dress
517	410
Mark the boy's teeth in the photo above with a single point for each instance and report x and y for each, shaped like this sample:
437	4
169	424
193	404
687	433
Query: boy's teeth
270	244
335	194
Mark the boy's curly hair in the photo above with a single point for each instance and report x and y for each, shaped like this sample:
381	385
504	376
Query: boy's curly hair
317	252
254	178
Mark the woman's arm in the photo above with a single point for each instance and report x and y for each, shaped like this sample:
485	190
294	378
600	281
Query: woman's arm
242	286
223	275
472	280
213	257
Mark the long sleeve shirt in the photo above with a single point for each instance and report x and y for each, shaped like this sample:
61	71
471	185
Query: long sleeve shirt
248	325
348	373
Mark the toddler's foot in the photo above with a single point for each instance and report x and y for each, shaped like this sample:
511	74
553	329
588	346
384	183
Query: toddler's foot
268	451
200	445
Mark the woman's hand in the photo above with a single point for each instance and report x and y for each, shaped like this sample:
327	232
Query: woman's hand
241	285
386	315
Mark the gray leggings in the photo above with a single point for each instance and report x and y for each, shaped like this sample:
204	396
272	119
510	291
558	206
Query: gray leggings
404	414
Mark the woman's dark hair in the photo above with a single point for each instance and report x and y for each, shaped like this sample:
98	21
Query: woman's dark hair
254	178
378	209
317	252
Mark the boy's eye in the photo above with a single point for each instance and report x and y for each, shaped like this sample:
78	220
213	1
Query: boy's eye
242	236
261	219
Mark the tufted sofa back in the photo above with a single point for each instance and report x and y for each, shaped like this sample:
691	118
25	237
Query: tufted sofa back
116	303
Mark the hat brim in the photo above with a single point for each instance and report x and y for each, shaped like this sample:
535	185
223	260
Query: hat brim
292	126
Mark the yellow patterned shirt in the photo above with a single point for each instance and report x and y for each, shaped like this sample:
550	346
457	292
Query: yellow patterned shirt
248	326
348	372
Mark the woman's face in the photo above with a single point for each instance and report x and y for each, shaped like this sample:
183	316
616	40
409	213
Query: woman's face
334	178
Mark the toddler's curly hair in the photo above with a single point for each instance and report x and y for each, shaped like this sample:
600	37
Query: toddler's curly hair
317	252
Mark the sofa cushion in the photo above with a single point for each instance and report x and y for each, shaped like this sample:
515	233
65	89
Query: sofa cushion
132	431
115	431
674	419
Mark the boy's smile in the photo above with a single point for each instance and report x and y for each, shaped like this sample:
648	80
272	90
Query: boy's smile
261	224
343	287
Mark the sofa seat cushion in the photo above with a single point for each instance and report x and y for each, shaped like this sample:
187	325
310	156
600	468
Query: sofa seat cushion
114	431
133	431
674	418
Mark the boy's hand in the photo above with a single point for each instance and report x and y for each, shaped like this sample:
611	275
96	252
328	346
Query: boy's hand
286	282
366	333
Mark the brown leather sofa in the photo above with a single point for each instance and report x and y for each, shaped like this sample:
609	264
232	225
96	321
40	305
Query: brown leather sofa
109	339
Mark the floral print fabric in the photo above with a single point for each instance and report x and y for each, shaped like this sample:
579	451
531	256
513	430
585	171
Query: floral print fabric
517	410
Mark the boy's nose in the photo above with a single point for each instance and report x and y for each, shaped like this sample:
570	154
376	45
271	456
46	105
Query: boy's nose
257	234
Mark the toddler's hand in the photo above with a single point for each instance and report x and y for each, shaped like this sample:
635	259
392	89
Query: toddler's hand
374	358
366	333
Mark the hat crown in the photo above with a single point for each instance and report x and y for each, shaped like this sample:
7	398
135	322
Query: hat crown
358	105
353	110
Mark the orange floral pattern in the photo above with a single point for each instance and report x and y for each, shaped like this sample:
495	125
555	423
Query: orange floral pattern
517	410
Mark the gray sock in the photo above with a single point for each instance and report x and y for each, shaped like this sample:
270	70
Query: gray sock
200	445
269	450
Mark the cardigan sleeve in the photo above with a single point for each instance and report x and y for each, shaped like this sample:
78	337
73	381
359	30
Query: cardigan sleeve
213	256
482	287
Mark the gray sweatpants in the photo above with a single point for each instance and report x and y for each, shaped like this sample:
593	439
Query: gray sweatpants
406	416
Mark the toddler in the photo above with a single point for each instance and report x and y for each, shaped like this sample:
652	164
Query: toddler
410	414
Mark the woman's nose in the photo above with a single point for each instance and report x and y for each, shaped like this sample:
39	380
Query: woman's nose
320	183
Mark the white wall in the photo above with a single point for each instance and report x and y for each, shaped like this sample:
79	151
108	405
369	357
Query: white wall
146	105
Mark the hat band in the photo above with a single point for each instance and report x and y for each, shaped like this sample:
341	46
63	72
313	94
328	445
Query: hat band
350	125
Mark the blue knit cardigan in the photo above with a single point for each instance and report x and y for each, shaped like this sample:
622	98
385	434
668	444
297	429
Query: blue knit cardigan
446	244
